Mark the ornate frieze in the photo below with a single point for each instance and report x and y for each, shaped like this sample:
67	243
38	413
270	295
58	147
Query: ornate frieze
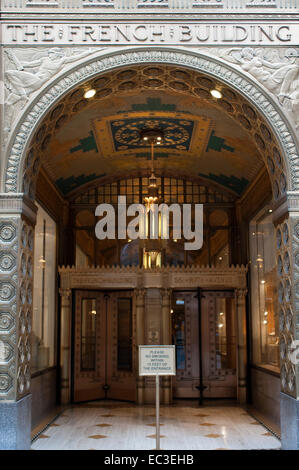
165	278
170	5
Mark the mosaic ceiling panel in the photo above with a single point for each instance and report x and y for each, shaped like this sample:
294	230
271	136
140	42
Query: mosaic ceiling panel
177	132
121	133
100	137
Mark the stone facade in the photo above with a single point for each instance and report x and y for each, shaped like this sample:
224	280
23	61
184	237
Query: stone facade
44	62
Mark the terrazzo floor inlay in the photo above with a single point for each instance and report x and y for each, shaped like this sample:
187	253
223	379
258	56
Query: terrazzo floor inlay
184	428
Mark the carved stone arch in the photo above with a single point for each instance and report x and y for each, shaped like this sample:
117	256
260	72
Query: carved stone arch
19	144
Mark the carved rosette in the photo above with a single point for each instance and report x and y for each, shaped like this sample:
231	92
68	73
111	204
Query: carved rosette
16	264
286	241
197	61
9	231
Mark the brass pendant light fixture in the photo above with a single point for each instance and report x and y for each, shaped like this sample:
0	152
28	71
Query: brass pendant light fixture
152	247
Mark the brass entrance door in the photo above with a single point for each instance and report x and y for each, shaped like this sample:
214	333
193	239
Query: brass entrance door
218	344
104	361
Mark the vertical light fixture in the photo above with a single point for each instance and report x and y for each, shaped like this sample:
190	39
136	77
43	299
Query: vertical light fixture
152	250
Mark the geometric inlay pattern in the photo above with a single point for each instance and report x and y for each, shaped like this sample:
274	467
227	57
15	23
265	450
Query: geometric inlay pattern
8	305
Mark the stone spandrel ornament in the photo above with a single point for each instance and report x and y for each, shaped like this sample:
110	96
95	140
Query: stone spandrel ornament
280	75
30	76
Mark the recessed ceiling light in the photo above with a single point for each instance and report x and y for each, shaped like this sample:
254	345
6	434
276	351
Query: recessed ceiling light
89	93
216	94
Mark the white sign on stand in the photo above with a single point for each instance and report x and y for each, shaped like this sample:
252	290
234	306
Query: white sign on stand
157	360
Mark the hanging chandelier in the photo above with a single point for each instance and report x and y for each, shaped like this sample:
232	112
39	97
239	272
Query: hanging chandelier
152	250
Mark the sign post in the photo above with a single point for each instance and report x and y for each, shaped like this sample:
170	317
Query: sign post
157	412
157	360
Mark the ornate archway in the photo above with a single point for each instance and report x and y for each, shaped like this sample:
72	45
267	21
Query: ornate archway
18	211
102	62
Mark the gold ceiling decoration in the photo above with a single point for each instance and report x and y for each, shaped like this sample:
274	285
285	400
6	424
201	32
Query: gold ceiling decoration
163	80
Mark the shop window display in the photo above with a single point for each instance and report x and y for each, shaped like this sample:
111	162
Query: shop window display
265	329
44	308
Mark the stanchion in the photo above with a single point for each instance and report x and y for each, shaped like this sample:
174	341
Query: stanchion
157	412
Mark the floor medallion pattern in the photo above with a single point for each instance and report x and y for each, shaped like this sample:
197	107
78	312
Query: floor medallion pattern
184	428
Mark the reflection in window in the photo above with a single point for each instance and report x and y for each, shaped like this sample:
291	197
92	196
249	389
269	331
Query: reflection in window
217	224
43	321
264	291
88	334
85	238
225	334
178	328
124	338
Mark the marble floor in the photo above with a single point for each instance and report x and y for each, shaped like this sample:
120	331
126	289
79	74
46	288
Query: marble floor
184	426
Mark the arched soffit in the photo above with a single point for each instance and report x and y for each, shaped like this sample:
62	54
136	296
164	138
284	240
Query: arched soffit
247	102
168	173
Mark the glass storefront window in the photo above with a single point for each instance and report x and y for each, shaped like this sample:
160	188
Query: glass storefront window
265	328
43	321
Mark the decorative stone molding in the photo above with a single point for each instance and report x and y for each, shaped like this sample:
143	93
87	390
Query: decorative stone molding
279	75
119	6
287	242
25	77
97	65
241	294
65	292
18	204
133	277
16	268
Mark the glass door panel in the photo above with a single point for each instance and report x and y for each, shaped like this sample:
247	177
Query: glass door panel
121	362
218	328
219	344
89	346
88	334
104	363
185	338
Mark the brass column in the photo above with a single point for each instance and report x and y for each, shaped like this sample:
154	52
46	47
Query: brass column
166	339
140	308
65	347
241	345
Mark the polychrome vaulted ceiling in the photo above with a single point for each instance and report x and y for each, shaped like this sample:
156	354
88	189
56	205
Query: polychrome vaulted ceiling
203	137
